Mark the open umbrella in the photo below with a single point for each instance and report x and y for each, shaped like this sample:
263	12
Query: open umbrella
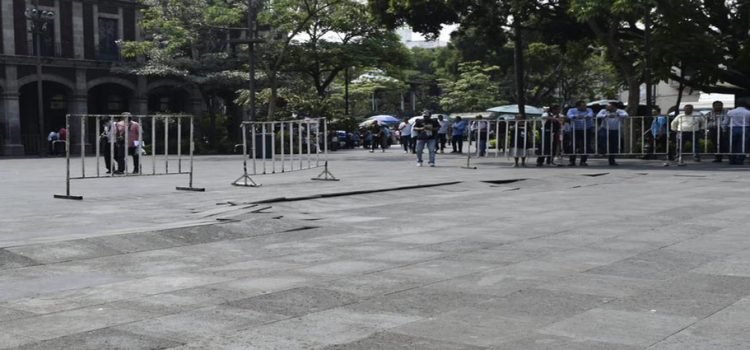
513	109
384	119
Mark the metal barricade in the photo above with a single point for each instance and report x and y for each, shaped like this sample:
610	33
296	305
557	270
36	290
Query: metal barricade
113	138
284	146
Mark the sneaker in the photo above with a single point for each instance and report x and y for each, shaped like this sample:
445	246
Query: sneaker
584	164
432	165
419	164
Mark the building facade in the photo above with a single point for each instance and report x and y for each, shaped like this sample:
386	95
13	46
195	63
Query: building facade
76	53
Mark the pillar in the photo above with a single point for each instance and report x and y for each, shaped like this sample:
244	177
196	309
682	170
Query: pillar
11	117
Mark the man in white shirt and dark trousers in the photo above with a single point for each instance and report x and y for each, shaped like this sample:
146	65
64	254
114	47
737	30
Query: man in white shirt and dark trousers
738	121
405	135
442	132
689	126
611	118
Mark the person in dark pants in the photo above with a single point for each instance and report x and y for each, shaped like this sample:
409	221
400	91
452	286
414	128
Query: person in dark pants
717	133
105	140
738	121
581	118
458	128
612	119
442	132
550	135
377	136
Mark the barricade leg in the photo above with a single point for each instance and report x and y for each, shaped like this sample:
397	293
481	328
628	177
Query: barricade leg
67	194
192	149
245	180
326	175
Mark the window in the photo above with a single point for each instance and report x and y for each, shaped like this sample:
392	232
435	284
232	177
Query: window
47	43
108	49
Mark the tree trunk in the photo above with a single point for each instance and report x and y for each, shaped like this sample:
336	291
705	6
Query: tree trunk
273	85
634	95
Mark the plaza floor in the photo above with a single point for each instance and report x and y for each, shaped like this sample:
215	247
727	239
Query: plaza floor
635	257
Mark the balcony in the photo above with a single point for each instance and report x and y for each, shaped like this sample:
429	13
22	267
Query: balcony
47	49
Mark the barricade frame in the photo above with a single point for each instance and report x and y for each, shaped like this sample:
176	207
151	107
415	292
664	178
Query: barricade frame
296	138
112	174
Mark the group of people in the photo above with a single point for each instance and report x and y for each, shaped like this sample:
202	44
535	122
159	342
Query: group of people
720	130
580	132
120	136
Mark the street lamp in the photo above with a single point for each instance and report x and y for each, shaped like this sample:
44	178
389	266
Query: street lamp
39	20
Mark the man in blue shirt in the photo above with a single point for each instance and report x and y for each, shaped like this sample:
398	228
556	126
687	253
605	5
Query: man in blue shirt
612	118
457	135
582	123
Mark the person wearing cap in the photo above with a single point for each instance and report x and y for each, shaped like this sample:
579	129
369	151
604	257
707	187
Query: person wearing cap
426	130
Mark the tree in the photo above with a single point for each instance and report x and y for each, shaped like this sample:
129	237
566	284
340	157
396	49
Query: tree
187	40
474	90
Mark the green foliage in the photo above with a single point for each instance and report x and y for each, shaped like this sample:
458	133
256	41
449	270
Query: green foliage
473	90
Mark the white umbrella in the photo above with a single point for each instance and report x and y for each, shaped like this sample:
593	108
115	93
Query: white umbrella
513	109
384	119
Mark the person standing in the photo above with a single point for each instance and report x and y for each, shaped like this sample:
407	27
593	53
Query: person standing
51	138
689	126
442	132
426	129
131	142
377	135
550	135
105	143
582	131
519	131
458	128
612	118
738	121
404	129
716	130
480	127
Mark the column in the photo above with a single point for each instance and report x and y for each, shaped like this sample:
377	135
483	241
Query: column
11	117
9	34
78	38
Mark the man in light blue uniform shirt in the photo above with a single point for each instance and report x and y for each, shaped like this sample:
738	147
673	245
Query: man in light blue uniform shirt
609	136
738	121
583	131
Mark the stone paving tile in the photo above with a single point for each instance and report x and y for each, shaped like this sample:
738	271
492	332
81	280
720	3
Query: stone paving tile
109	339
8	340
395	341
442	269
731	323
686	341
656	264
10	260
8	314
424	302
264	284
622	327
200	323
716	284
71	322
374	284
404	256
136	242
296	302
544	306
472	326
549	342
166	283
345	267
732	265
46	253
682	302
248	268
72	299
604	285
336	326
490	282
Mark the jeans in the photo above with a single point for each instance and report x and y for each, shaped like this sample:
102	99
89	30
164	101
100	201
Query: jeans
739	142
405	142
609	142
431	143
549	148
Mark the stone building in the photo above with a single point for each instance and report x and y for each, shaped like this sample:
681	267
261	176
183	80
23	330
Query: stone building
77	51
